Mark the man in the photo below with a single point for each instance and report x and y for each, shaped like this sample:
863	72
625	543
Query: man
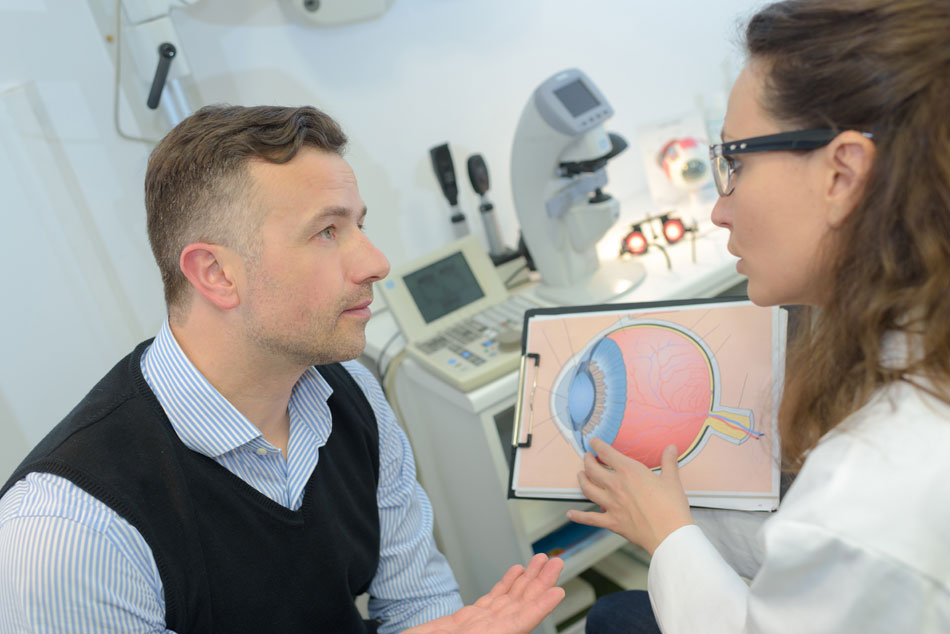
232	475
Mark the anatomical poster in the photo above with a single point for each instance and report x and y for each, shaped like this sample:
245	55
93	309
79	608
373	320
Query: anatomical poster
703	375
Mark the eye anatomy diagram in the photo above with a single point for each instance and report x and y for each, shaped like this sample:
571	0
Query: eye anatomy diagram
703	375
643	385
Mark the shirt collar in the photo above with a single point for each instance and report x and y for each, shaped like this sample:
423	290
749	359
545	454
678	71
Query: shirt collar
203	419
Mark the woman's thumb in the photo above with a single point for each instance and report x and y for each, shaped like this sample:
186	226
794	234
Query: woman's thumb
669	465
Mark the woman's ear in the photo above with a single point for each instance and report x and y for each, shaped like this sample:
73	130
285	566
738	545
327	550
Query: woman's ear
848	159
210	269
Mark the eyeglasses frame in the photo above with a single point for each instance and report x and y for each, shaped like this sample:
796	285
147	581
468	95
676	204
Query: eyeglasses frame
780	142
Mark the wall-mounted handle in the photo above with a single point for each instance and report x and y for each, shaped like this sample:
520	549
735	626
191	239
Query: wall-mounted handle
166	52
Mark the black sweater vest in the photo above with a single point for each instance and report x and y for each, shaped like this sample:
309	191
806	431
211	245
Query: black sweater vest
231	560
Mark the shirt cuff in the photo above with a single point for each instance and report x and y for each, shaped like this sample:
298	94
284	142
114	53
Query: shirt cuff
692	588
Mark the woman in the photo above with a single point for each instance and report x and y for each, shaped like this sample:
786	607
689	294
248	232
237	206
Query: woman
856	224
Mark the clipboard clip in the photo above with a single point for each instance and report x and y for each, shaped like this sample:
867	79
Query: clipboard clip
516	442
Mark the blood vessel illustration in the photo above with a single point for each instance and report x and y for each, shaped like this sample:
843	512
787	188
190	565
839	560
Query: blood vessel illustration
642	386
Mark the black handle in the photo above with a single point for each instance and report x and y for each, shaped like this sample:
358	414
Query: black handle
445	172
166	52
617	145
478	174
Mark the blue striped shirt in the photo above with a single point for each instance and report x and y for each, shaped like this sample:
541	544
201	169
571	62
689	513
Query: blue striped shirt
69	563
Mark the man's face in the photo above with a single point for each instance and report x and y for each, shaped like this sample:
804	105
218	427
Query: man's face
307	292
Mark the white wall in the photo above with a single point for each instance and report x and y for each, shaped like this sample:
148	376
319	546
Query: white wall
78	284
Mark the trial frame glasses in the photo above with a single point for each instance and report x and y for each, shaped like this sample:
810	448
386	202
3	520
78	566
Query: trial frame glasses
725	167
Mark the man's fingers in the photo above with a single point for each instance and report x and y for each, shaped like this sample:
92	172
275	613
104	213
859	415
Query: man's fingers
521	584
551	571
517	603
503	586
531	616
535	565
551	597
546	578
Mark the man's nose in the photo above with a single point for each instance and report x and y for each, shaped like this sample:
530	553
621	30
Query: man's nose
371	265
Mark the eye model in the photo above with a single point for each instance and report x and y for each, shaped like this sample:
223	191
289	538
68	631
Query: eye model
684	163
641	387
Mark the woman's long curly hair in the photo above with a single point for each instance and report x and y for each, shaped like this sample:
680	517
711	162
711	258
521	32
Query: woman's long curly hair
880	66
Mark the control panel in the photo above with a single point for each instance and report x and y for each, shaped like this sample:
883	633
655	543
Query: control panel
459	321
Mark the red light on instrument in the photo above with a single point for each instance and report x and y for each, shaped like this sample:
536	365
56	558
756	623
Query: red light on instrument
634	242
673	229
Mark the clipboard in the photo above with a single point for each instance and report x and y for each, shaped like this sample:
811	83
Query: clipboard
702	374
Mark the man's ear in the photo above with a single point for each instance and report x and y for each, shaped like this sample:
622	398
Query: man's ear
210	269
848	158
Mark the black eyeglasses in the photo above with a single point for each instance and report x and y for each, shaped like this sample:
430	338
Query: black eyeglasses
725	166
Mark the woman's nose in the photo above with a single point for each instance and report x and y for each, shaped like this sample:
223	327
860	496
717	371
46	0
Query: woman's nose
720	213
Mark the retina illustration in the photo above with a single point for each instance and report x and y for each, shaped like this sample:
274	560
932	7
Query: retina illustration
642	385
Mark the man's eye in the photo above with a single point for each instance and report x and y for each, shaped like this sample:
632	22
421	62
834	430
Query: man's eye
329	233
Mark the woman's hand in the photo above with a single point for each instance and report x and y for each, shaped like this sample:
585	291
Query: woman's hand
636	503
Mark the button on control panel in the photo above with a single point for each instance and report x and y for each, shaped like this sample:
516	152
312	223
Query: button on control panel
491	336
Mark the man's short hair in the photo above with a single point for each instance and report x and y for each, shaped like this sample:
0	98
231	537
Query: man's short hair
197	181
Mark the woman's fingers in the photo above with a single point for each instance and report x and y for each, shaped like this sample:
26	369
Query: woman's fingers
596	472
607	454
669	464
616	460
590	518
593	480
599	495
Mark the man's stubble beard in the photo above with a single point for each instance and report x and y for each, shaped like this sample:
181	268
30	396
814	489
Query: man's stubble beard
323	340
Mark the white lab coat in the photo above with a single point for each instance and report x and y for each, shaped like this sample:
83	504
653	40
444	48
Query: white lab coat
860	543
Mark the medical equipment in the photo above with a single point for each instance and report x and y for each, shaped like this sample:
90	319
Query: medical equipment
685	162
478	175
458	319
158	82
636	242
444	169
558	161
337	12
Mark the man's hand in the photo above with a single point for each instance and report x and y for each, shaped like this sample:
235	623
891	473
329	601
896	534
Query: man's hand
638	504
516	605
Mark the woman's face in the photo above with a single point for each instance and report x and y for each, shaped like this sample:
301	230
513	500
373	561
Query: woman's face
775	215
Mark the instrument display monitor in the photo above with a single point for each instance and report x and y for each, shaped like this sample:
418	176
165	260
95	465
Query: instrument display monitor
443	287
571	103
458	319
577	98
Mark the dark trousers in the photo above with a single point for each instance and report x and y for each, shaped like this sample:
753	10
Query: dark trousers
627	612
